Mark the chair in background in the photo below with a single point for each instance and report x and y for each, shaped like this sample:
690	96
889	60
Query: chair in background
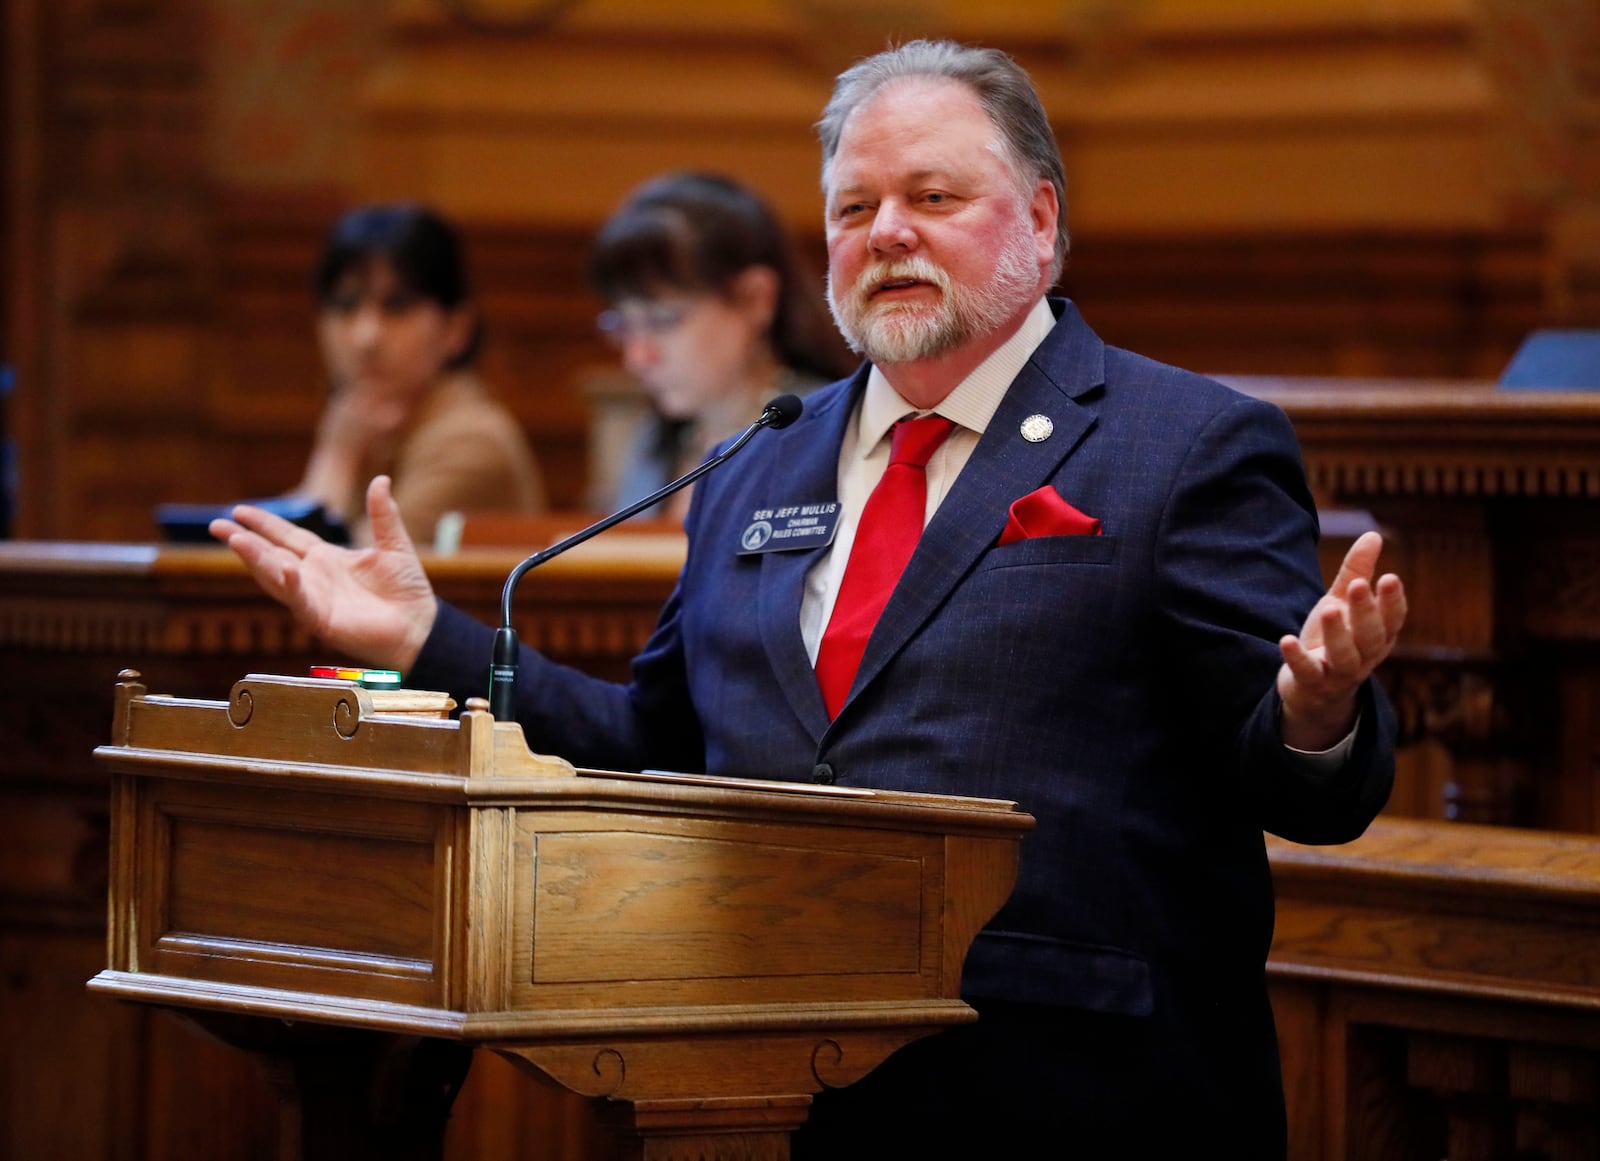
1556	360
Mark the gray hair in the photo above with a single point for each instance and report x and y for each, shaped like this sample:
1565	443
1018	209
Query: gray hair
1002	88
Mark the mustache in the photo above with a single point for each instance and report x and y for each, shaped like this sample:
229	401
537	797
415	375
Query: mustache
913	268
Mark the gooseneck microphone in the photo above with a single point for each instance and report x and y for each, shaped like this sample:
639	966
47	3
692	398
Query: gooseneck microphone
781	412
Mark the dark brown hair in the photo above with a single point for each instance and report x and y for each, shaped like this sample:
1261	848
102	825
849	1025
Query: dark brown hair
424	249
698	232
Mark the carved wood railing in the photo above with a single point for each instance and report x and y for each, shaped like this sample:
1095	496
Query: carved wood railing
1437	989
1488	497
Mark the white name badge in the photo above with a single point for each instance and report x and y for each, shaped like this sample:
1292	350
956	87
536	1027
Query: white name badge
793	526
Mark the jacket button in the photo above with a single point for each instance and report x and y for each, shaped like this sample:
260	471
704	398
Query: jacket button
823	773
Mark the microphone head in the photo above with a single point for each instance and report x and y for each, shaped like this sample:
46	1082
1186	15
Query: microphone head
782	411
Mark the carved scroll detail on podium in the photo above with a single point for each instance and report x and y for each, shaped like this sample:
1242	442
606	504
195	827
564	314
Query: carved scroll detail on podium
610	1070
241	705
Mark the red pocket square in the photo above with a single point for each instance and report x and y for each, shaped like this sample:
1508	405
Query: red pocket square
1045	513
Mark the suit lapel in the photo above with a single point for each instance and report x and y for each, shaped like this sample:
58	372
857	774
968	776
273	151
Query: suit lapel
810	475
1057	382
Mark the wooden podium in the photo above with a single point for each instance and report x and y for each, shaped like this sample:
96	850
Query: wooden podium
360	890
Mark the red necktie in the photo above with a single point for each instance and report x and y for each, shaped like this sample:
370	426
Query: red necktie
891	524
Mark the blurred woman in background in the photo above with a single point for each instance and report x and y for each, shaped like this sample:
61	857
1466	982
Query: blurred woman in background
713	315
400	335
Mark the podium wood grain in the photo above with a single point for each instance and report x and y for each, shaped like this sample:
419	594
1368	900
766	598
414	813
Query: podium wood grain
707	951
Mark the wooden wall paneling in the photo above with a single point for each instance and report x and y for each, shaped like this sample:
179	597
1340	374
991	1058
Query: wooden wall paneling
555	126
264	383
542	342
25	271
114	290
1542	56
1371	237
1269	129
130	237
1384	304
1216	119
267	377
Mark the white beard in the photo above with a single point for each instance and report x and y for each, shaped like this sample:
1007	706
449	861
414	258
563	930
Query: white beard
902	332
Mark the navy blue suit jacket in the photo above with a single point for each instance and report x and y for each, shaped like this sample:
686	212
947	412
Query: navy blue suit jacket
1118	687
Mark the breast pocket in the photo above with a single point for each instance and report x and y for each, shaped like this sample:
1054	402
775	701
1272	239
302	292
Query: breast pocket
1100	550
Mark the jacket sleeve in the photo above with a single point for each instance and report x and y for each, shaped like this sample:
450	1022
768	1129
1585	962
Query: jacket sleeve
647	723
1238	569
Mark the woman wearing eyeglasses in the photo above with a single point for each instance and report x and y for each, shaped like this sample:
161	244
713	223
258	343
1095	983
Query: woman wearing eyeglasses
399	336
713	316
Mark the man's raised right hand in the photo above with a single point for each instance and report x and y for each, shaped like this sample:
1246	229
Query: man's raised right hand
374	604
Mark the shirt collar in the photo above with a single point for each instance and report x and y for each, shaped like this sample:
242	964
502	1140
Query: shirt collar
975	399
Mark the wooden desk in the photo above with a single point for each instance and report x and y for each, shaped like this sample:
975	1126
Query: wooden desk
1437	989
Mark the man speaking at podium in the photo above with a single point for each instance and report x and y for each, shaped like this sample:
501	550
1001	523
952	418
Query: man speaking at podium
1113	615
